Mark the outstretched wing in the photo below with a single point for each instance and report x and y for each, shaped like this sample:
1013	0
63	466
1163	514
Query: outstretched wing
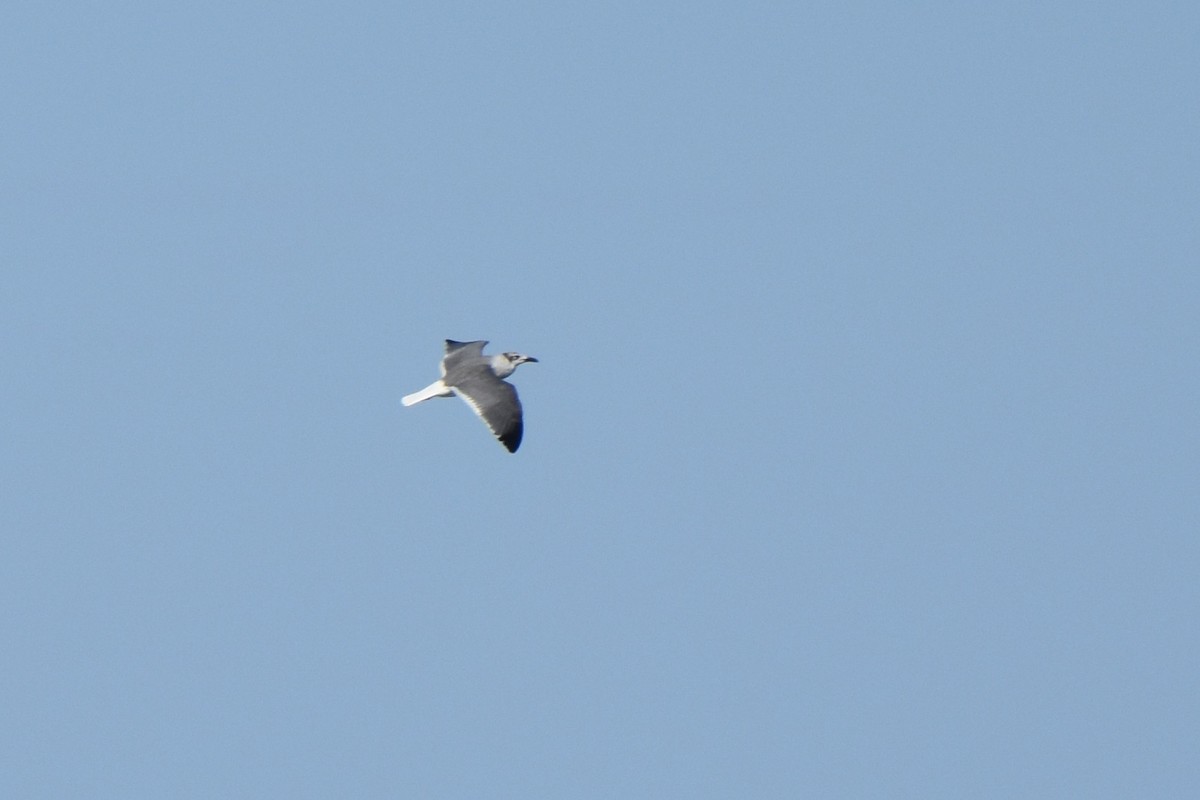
461	353
496	403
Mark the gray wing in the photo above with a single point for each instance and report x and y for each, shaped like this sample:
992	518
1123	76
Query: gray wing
461	354
496	403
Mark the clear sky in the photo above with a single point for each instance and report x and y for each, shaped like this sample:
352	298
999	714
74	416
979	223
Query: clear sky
861	459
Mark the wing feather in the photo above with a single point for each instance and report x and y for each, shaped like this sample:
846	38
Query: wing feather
497	404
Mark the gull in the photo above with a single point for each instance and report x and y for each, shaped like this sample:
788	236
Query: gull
479	380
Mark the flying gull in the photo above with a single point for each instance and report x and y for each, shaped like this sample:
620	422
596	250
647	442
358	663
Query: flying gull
479	380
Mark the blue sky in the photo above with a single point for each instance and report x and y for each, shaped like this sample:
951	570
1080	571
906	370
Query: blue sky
860	460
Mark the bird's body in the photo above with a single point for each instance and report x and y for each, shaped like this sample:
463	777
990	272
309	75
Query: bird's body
479	380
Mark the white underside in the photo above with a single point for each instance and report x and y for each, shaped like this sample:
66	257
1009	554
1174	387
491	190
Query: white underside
435	389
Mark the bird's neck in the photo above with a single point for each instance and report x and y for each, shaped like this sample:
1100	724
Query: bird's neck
502	366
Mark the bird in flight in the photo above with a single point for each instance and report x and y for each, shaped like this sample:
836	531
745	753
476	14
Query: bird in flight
479	380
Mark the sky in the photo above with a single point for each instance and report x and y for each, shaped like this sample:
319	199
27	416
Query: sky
860	459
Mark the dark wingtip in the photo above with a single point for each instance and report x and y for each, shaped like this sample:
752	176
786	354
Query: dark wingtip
512	439
454	344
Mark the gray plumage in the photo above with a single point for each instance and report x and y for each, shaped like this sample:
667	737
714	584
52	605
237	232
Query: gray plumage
479	380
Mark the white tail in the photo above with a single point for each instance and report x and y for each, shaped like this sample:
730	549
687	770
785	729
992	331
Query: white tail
435	389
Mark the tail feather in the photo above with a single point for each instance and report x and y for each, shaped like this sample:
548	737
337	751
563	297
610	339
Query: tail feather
435	389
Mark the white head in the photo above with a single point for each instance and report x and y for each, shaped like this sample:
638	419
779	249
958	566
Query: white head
503	364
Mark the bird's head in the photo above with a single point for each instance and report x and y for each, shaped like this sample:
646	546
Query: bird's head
517	359
503	364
